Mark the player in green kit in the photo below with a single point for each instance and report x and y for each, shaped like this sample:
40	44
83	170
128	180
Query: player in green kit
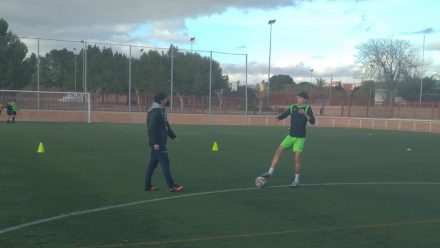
300	114
11	110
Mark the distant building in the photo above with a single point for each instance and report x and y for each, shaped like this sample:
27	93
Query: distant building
349	87
234	86
333	84
380	96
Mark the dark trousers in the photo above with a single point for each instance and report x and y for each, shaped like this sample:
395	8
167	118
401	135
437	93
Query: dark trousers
159	157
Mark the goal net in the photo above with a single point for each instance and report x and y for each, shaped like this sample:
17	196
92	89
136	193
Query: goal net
49	105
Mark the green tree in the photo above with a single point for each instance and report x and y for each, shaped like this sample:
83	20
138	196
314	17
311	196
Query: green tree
282	83
409	89
57	70
153	72
364	94
192	75
15	69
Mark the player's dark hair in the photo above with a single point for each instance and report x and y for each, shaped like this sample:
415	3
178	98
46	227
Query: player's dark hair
303	94
159	97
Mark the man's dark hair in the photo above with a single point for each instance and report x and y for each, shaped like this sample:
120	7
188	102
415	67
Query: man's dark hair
303	94
159	97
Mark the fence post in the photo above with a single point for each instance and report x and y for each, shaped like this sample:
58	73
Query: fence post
193	109
438	114
414	112
203	106
368	108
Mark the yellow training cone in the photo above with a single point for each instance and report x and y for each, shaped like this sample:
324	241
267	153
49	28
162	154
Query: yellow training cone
215	147
41	148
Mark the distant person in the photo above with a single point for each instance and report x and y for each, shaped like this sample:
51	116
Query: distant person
158	130
11	110
300	113
1	108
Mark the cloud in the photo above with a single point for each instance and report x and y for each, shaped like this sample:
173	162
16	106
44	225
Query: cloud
425	31
102	19
433	46
155	23
300	72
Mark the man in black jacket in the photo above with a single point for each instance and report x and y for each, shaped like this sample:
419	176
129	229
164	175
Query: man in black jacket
158	131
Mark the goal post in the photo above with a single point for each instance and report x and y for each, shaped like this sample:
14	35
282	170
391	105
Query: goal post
60	106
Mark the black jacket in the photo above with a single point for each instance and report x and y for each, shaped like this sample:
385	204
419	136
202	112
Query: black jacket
158	126
298	122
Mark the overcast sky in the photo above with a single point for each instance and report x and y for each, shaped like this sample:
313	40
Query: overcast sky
318	34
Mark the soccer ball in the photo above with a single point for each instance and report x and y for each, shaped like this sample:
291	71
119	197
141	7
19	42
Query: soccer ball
260	182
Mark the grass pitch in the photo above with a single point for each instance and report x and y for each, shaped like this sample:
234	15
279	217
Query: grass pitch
361	188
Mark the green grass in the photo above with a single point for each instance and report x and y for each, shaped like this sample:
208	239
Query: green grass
88	166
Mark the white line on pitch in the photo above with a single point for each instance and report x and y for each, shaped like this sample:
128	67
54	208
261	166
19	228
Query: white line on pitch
63	216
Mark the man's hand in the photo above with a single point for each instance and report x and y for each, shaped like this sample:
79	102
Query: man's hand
156	147
176	140
301	111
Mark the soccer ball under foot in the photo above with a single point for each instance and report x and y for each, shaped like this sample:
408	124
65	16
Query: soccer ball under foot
260	182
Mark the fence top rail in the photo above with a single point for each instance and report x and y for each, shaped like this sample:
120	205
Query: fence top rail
380	119
317	117
50	92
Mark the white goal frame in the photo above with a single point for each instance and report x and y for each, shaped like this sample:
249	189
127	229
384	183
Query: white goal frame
53	100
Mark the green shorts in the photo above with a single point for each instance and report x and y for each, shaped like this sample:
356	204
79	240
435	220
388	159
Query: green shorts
296	143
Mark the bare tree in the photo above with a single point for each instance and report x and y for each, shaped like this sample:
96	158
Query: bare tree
320	82
219	93
180	96
261	91
391	58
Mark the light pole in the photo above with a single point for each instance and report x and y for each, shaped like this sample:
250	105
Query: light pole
370	84
271	22
192	41
421	79
129	81
38	78
331	85
84	66
74	49
310	86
